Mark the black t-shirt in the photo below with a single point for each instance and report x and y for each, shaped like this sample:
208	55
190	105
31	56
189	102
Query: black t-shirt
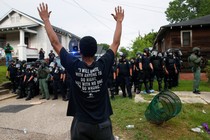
90	99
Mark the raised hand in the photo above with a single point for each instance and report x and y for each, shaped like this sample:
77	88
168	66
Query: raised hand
119	14
43	11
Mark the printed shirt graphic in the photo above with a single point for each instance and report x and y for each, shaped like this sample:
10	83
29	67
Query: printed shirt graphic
89	80
89	89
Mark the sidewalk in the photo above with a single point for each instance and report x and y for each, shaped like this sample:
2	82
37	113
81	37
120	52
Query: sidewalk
34	120
185	97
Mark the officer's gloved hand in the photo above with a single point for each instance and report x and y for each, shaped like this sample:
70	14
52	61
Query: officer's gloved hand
141	72
114	82
130	78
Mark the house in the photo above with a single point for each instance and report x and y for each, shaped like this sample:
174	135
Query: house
184	36
27	35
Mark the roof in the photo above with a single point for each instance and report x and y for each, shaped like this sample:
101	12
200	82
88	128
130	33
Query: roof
205	20
40	22
201	21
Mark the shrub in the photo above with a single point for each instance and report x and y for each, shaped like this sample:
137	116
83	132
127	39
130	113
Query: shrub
207	69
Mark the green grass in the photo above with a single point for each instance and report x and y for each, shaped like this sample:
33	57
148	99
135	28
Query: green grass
187	85
3	70
126	112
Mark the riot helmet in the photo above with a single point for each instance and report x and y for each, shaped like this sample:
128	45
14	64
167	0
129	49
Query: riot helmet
155	53
146	51
196	50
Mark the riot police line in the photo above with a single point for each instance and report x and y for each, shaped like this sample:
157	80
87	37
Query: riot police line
136	75
30	79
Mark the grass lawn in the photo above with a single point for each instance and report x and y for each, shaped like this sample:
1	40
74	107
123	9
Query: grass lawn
126	112
3	70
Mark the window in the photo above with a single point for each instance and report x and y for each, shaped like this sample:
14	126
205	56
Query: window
15	18
186	38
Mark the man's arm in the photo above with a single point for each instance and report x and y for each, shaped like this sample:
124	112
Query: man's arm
45	15
119	16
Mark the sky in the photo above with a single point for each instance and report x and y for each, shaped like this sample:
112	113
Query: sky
93	17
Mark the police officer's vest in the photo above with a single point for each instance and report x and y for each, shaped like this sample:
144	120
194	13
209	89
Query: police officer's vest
156	62
192	58
145	63
170	63
124	68
42	73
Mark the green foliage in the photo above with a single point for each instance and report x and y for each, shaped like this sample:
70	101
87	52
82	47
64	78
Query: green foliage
3	70
182	10
104	45
142	42
124	51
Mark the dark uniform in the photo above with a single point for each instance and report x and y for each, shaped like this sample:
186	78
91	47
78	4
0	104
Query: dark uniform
68	85
170	70
178	62
158	72
124	73
51	56
11	74
57	75
29	82
137	74
19	81
111	83
145	67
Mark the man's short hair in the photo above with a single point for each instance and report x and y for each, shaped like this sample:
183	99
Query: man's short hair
88	46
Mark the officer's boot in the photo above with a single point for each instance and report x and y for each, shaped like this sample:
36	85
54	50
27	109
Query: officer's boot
147	87
28	94
159	86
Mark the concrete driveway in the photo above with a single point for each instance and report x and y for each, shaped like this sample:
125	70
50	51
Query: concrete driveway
34	120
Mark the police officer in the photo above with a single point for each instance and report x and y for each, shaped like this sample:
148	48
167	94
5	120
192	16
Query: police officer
157	62
178	62
169	69
67	84
29	81
57	77
43	75
132	63
124	72
11	74
136	73
111	83
19	81
51	56
196	59
146	68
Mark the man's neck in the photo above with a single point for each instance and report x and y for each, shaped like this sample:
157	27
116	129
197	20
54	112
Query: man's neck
88	60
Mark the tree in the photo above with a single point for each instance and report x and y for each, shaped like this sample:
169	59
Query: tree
143	42
182	10
104	45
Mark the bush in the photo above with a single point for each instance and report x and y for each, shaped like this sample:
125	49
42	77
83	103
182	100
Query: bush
207	69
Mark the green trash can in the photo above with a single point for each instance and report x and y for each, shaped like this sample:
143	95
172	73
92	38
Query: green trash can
164	106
